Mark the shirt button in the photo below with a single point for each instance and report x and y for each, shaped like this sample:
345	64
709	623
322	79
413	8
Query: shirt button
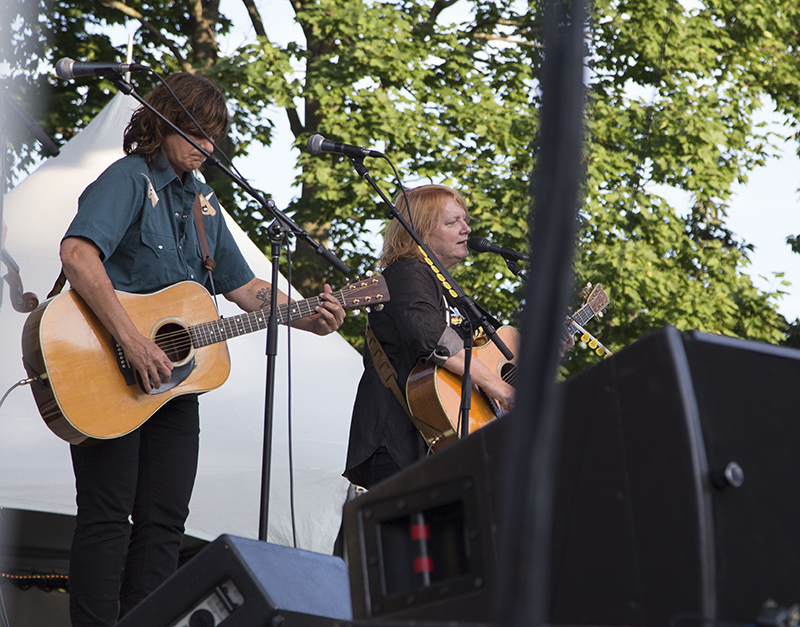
160	247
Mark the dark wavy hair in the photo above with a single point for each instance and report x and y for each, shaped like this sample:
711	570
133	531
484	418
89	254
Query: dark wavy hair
145	132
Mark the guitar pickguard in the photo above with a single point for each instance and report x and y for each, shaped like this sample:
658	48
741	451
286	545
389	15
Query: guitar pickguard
179	375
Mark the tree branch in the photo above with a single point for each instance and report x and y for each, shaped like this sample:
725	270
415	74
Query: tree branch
518	42
437	8
126	10
294	121
255	18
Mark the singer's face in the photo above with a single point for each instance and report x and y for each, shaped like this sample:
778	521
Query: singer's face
182	156
449	239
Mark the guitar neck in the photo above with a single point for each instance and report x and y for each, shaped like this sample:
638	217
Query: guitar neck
226	328
583	315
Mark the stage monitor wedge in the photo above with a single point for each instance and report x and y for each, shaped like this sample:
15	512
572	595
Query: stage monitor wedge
239	582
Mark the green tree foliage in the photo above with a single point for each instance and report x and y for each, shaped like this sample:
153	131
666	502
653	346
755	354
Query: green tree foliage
672	88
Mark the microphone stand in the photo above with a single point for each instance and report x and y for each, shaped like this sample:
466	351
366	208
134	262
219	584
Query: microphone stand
465	304
279	227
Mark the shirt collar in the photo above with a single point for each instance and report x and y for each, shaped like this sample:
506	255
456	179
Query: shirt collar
163	174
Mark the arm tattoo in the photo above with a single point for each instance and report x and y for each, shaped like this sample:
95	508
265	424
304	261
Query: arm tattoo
265	296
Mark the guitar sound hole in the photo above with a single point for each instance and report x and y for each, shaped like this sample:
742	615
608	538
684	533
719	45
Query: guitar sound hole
508	372
174	340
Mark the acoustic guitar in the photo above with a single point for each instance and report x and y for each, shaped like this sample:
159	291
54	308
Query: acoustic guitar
434	393
86	389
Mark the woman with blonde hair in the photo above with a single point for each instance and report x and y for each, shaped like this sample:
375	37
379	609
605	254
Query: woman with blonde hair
418	325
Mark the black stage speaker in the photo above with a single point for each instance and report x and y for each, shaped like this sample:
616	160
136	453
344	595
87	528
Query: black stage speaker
422	544
678	484
238	582
676	498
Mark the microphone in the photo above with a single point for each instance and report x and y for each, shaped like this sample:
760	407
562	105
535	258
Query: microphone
483	245
68	69
318	144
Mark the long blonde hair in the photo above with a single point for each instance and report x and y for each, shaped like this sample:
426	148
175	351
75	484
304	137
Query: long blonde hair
427	203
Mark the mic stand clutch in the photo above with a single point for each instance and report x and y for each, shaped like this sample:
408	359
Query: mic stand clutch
467	306
512	265
281	225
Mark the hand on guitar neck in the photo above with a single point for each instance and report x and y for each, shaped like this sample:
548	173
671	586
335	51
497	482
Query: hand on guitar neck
566	344
434	393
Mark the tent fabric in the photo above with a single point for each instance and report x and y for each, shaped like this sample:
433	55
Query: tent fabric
35	468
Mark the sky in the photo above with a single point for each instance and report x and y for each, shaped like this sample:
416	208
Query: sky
764	212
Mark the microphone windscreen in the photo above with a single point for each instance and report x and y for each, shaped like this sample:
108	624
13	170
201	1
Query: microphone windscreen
64	68
478	244
315	143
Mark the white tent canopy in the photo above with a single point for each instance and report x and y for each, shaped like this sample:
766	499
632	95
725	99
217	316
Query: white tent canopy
35	469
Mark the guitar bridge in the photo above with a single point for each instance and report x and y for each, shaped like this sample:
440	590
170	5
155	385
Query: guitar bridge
123	364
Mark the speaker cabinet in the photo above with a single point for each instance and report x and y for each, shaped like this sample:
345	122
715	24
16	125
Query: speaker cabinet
421	545
676	498
678	484
238	582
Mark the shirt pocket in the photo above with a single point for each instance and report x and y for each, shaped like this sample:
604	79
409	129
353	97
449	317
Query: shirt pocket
157	264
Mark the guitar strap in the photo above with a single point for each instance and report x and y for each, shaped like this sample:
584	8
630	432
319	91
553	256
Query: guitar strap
61	281
388	376
208	263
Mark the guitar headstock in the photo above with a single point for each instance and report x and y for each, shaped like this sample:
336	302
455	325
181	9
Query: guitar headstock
597	300
367	292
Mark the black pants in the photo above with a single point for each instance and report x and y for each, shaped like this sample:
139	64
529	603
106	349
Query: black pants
147	476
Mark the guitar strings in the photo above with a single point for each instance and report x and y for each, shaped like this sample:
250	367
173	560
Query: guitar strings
181	339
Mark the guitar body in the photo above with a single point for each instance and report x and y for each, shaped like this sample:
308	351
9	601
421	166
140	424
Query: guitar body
87	390
434	393
82	394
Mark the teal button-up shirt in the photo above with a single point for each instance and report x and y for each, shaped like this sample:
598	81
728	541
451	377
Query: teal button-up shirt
140	217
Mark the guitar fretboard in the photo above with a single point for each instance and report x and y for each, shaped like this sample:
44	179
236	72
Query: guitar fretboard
583	315
226	328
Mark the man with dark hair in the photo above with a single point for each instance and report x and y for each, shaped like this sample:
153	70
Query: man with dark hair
135	232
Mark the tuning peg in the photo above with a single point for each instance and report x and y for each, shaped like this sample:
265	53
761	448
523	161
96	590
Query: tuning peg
356	312
378	307
368	274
